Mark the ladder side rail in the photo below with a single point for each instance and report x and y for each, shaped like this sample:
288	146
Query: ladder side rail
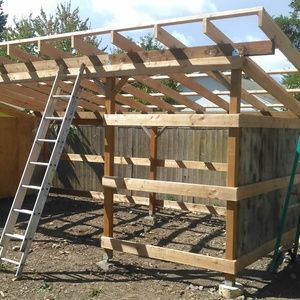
28	170
53	162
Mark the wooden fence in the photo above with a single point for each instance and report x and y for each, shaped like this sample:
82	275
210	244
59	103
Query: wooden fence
179	148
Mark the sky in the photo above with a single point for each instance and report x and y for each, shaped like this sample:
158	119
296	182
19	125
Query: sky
120	13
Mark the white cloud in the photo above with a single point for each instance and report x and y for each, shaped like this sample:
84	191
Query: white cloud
271	62
185	39
23	8
132	12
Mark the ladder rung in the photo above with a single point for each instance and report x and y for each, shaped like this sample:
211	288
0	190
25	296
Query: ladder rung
39	163
46	141
33	187
15	236
23	211
54	118
62	96
10	261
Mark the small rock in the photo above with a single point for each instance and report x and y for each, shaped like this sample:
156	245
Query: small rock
240	297
2	294
55	246
104	265
293	276
16	248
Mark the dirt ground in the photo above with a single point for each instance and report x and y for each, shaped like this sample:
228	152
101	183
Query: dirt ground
64	257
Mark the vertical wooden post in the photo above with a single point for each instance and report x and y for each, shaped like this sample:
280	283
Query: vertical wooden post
233	167
153	168
109	147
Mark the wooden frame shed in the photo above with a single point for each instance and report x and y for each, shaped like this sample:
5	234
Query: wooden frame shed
261	135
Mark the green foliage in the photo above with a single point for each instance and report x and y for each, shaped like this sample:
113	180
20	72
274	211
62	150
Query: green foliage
95	292
63	20
291	27
45	287
3	268
3	20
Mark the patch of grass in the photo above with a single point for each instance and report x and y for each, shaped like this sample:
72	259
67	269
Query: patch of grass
3	268
45	287
95	292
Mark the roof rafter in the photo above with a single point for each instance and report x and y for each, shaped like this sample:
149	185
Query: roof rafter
219	37
170	41
130	46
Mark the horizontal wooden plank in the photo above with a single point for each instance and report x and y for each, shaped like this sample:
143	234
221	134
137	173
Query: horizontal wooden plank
168	204
254	121
118	65
174	188
99	31
249	258
171	255
190	120
140	161
255	189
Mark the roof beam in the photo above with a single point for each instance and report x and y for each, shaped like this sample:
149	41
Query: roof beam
88	100
170	41
219	37
272	86
128	46
92	50
98	31
282	42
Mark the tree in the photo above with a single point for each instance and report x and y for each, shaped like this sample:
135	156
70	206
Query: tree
3	20
291	27
64	20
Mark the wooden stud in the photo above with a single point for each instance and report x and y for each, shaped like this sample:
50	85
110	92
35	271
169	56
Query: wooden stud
232	174
109	148
153	169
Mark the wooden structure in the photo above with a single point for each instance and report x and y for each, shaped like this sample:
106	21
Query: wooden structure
259	136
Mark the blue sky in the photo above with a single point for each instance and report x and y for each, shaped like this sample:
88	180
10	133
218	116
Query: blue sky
117	13
104	13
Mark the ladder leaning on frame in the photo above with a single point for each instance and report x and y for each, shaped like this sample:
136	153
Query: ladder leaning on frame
9	233
284	214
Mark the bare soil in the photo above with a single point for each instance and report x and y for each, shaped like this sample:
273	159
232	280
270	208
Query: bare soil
64	262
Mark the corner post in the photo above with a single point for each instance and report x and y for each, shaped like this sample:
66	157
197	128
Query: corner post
109	147
153	168
233	168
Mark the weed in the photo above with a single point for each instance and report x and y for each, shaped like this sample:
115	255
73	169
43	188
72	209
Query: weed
45	287
95	292
3	268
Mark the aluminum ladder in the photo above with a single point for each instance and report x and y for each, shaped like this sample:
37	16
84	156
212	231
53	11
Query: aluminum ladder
278	253
33	215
